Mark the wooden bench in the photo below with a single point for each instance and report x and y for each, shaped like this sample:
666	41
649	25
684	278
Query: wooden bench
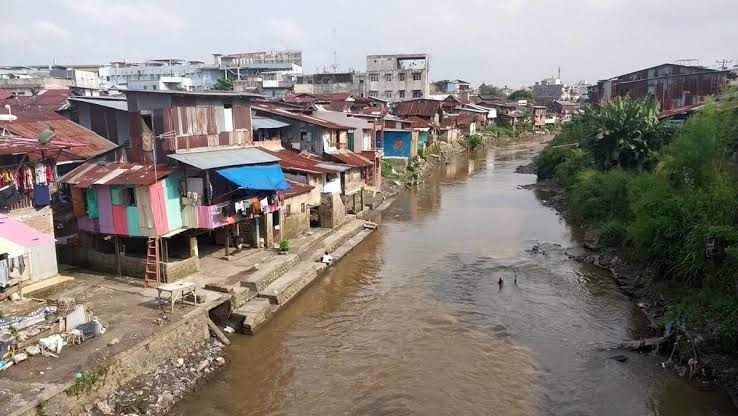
178	291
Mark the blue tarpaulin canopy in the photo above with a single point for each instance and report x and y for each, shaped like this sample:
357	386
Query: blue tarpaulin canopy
257	177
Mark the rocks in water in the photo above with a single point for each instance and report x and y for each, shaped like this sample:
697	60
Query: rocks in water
619	358
529	169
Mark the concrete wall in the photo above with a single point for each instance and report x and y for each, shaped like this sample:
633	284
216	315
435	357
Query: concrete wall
332	212
296	216
136	266
398	144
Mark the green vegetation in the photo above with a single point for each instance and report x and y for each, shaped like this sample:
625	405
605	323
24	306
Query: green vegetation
85	381
224	84
523	94
284	245
491	90
388	170
473	142
665	199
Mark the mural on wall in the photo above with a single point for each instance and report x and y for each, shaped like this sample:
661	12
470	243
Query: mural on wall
397	143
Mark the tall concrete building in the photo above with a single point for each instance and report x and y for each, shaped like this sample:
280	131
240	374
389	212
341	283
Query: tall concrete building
398	77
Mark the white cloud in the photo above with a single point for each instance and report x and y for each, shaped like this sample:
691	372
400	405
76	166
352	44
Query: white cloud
142	13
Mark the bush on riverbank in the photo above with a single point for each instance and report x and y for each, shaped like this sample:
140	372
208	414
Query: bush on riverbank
669	204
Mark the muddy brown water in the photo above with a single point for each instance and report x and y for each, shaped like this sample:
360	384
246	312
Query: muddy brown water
413	322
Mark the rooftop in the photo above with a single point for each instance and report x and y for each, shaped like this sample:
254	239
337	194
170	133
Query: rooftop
197	93
116	173
271	109
213	159
83	144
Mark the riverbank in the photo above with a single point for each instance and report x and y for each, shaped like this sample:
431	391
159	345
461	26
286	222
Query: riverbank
638	282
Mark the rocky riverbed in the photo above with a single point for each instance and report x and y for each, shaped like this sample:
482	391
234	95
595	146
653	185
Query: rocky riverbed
156	393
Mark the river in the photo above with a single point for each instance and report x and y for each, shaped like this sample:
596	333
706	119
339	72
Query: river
413	322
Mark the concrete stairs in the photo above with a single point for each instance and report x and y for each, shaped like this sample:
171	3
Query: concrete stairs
285	276
260	279
288	286
250	317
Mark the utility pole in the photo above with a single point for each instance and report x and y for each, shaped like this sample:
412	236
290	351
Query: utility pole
724	63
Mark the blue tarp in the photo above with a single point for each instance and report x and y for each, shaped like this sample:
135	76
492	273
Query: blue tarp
258	177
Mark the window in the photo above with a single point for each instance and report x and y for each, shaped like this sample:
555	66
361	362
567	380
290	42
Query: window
388	94
417	76
401	93
373	77
374	94
302	207
417	94
401	76
388	77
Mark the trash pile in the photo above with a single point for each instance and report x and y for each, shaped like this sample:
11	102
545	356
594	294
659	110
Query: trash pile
45	331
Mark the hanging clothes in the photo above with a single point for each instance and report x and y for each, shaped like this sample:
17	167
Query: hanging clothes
6	177
4	272
41	196
39	174
50	171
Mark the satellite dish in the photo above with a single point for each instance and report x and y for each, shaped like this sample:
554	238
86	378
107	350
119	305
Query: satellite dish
8	117
46	135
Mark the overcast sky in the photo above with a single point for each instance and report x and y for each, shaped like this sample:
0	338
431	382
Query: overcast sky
504	42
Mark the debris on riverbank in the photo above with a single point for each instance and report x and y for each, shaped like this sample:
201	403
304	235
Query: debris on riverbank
156	393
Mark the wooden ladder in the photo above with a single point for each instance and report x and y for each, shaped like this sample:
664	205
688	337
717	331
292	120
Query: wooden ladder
152	275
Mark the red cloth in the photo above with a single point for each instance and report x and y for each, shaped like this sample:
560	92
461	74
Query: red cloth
120	220
159	208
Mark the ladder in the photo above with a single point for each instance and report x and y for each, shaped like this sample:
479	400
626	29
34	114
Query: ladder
152	275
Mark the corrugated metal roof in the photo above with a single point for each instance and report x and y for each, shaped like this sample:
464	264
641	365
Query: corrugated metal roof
299	117
297	188
334	166
86	143
223	158
12	145
351	159
120	104
422	108
294	161
116	173
266	123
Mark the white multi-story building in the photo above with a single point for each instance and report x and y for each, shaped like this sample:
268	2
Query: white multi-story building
398	77
160	74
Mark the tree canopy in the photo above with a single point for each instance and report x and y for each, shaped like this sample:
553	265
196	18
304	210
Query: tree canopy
492	90
521	95
224	85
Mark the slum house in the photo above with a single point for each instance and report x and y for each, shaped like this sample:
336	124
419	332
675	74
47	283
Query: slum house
672	85
27	181
105	115
193	182
427	132
564	109
508	114
360	141
538	116
305	132
430	110
268	129
332	145
41	117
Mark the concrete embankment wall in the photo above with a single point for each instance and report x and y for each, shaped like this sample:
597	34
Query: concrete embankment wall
169	341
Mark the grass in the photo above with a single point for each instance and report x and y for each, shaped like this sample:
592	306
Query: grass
86	381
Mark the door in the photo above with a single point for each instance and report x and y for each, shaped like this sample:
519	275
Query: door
351	141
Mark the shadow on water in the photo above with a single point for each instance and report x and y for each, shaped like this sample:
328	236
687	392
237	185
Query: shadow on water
413	321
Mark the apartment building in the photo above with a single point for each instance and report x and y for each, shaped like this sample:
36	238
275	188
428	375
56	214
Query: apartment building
398	77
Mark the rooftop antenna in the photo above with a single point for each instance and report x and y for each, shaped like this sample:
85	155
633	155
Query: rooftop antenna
335	53
559	73
723	63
